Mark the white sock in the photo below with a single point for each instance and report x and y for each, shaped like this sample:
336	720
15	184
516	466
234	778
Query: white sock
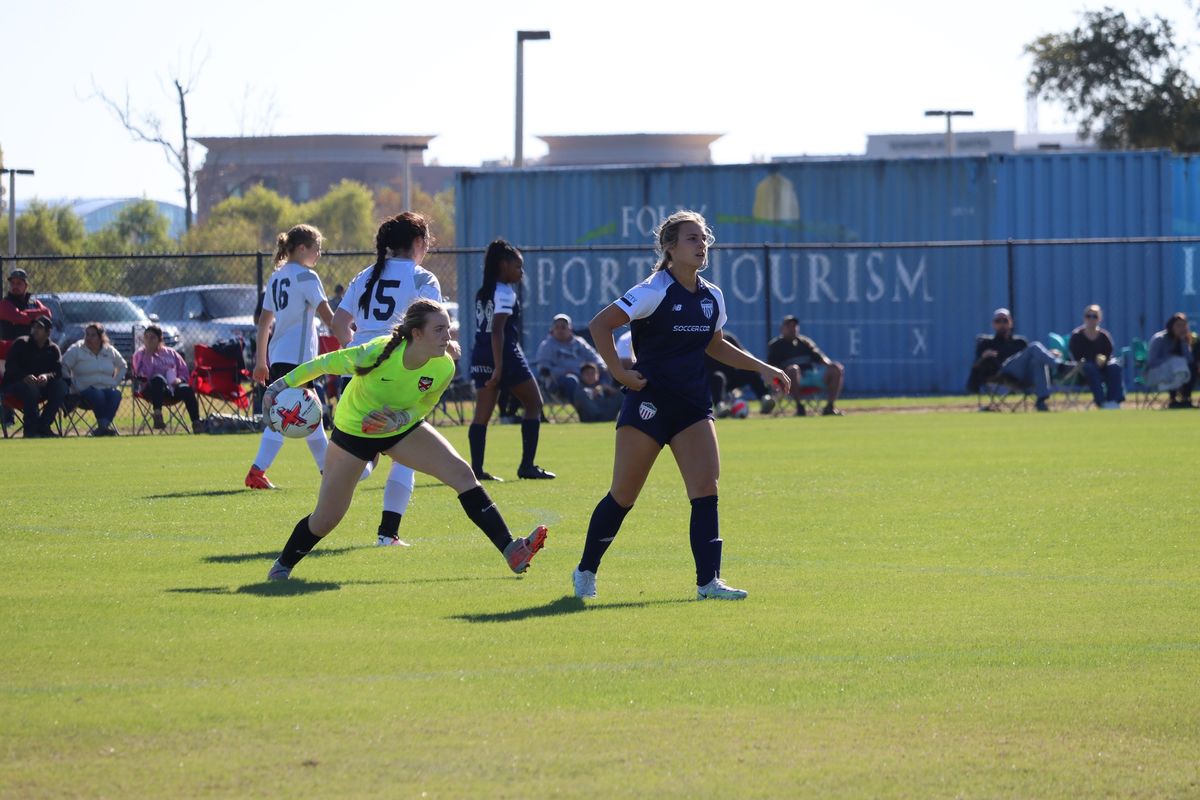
268	448
317	443
398	489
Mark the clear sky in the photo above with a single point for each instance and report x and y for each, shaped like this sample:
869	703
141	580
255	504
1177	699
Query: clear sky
777	78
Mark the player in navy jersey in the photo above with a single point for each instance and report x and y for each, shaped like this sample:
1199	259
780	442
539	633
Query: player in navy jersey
675	317
497	360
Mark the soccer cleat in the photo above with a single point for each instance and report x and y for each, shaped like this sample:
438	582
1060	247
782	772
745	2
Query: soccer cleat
830	411
520	552
767	404
385	540
716	589
534	473
279	572
487	476
584	583
257	479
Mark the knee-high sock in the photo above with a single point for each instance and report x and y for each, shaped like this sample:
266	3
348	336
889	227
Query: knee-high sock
529	440
606	521
477	436
486	516
706	539
317	445
298	545
268	448
396	494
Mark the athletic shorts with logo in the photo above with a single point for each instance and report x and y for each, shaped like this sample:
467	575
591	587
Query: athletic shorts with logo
659	417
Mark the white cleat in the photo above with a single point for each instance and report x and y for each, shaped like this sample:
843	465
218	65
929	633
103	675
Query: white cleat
279	572
585	584
717	589
390	541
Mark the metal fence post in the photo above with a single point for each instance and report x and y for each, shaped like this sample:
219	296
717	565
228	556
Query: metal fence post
258	257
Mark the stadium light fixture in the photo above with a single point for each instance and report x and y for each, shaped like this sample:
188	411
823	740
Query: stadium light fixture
948	114
12	206
522	37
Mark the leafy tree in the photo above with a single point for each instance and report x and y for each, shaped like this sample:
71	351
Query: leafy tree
1124	80
45	230
437	208
138	228
266	212
344	215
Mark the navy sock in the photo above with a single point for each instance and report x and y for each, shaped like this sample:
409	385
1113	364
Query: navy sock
606	521
477	436
486	516
706	539
529	440
389	524
298	545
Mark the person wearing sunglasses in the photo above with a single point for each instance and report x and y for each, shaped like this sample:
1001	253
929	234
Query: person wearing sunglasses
1092	346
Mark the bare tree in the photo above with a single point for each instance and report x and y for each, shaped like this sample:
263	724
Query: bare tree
147	127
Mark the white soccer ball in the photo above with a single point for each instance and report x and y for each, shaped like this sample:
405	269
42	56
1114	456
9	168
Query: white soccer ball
296	413
740	409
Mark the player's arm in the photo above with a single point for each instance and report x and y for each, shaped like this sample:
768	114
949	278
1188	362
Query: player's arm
498	320
325	313
265	319
341	325
735	357
601	327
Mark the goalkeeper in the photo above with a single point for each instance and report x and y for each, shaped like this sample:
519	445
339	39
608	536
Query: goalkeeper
398	381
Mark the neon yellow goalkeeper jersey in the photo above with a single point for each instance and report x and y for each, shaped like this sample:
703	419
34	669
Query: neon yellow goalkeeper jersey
390	384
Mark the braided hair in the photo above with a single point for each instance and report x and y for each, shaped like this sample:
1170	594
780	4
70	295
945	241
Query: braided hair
396	234
667	235
414	319
498	253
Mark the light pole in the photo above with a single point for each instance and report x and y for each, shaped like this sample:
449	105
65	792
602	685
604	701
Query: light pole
408	149
12	207
948	114
522	36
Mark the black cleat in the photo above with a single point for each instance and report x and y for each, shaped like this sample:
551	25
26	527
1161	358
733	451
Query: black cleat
487	476
534	473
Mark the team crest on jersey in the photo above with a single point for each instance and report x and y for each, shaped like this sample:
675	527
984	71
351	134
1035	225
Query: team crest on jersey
647	411
706	305
424	383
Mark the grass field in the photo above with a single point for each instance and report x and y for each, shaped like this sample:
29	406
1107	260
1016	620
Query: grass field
942	605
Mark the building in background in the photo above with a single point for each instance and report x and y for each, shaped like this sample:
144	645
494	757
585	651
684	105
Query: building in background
305	167
628	148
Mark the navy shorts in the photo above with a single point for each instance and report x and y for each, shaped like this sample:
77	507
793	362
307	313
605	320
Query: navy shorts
657	417
365	448
278	371
516	369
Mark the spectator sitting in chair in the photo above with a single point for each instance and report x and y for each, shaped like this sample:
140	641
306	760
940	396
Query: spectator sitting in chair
1170	362
95	368
560	357
33	373
164	374
593	400
1092	347
724	381
1005	355
799	356
19	308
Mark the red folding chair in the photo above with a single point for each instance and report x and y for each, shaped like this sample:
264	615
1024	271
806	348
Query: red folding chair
220	382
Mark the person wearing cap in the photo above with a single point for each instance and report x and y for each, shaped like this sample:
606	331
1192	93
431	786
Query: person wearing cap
561	355
805	364
19	308
1005	354
33	375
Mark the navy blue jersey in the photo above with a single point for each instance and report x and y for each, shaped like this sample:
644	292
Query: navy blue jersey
671	327
503	301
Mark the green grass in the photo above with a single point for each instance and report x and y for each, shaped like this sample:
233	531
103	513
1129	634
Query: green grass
942	605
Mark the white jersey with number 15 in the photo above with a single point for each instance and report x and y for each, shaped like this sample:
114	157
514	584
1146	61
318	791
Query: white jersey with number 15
400	283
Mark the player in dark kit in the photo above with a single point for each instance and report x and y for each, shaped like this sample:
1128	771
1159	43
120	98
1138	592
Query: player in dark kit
497	360
675	317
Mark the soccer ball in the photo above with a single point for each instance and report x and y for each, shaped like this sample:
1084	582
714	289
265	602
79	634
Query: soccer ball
296	413
740	409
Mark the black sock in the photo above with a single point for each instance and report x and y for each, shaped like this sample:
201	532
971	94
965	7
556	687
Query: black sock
389	524
529	440
298	545
486	516
477	436
706	539
606	521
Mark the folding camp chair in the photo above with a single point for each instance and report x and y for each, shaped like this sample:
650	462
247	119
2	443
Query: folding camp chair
1146	395
1068	386
1003	393
812	395
219	382
12	410
173	413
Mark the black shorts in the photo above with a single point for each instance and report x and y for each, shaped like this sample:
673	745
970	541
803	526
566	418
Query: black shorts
365	448
516	369
658	417
278	371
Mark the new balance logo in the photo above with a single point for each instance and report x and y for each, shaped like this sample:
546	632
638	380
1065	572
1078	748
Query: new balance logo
678	307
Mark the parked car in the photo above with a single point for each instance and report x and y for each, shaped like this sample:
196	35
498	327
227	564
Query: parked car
207	314
123	321
139	300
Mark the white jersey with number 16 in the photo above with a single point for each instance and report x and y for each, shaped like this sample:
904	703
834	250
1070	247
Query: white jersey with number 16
293	293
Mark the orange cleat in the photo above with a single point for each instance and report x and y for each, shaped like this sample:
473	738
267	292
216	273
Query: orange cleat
257	479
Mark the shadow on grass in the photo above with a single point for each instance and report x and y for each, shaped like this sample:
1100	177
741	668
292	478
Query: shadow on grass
288	588
198	493
563	605
271	555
